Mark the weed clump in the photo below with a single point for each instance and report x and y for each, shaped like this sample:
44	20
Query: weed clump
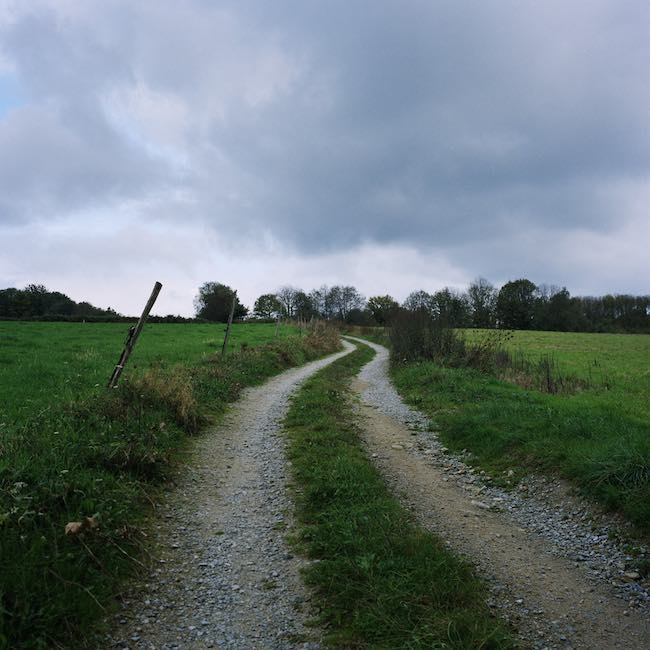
419	336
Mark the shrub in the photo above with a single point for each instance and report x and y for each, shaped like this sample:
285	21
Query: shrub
419	336
416	336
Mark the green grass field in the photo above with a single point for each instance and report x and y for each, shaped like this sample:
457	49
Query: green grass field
617	365
73	451
45	364
598	436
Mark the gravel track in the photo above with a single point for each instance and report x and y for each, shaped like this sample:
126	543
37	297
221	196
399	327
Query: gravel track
554	571
225	577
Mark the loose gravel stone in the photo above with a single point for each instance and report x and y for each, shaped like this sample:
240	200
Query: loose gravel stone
541	512
225	577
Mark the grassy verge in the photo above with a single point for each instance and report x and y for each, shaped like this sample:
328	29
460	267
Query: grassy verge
46	363
96	464
590	438
382	582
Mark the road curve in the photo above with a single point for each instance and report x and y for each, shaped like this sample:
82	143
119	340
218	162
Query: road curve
553	601
225	577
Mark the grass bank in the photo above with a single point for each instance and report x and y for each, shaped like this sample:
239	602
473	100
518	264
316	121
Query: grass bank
78	479
596	438
381	581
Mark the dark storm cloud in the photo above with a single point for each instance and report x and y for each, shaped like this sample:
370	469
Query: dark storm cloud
442	123
328	124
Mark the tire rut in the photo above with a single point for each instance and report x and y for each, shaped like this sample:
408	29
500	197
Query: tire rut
225	577
551	602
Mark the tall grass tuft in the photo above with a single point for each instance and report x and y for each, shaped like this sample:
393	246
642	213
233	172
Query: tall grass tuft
419	336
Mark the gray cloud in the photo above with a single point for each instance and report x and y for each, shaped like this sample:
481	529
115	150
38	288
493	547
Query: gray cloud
450	126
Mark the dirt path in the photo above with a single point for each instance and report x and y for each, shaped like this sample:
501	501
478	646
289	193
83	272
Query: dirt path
553	601
225	577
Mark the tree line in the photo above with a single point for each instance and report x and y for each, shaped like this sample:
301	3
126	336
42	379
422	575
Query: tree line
518	304
521	304
35	302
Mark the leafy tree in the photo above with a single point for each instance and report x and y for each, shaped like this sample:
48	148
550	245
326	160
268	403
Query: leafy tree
382	308
267	306
450	307
35	301
418	301
516	304
214	302
482	298
358	316
303	306
563	312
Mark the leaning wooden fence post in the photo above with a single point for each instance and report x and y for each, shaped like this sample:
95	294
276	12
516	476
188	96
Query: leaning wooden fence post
132	337
232	313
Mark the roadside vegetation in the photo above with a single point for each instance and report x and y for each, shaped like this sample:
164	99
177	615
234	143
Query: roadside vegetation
381	581
80	471
43	365
561	403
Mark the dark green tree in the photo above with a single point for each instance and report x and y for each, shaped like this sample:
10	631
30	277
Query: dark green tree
267	306
214	302
303	306
516	304
450	307
418	301
382	308
482	298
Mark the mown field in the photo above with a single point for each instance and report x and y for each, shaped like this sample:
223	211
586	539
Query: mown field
597	435
44	364
72	452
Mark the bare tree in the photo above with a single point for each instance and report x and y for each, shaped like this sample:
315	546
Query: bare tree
482	298
320	302
340	301
287	297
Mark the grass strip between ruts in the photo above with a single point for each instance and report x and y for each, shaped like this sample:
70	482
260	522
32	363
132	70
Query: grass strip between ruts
381	581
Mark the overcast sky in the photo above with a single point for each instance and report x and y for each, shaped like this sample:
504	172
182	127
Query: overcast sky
389	145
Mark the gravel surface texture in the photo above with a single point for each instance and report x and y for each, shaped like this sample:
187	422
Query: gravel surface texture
225	577
557	567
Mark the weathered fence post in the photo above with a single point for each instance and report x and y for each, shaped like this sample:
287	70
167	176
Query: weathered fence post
132	337
232	313
277	326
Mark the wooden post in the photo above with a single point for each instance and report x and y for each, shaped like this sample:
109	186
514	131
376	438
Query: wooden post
232	313
277	326
133	335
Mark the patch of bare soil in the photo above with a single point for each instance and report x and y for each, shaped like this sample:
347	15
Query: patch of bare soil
551	600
